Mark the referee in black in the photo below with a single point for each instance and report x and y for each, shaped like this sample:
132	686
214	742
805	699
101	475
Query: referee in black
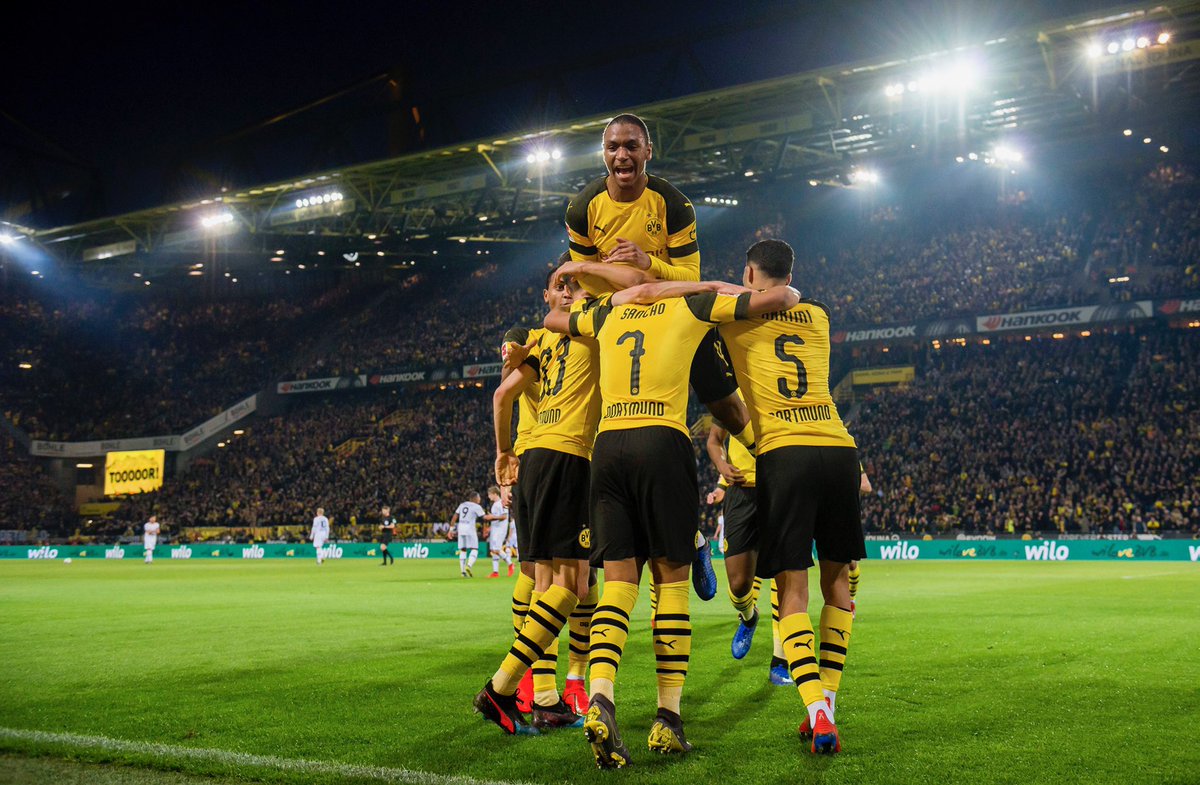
387	530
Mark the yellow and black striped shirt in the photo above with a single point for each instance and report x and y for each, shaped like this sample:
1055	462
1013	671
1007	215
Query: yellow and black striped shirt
527	402
568	407
782	365
661	222
646	353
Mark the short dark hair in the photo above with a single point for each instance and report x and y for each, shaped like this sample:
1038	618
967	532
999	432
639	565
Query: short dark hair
630	119
774	257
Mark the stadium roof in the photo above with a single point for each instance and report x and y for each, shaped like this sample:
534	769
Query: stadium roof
1059	83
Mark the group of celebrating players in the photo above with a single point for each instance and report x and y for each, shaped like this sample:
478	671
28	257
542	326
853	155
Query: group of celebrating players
603	475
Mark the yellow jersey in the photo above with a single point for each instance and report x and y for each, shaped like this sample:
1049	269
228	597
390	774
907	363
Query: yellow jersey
646	354
527	401
569	403
782	364
661	222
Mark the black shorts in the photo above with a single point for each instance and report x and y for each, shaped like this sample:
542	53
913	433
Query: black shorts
520	512
556	497
741	519
711	375
385	538
807	495
645	496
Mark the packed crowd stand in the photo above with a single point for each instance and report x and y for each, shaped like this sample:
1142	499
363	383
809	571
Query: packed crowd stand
138	367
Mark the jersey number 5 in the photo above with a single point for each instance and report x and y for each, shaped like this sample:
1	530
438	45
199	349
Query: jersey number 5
635	369
781	344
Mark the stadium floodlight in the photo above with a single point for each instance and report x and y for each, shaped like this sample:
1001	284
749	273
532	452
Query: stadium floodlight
959	159
1128	132
1094	50
1005	154
556	154
1128	44
1113	47
1164	37
1147	140
216	220
379	253
25	366
147	283
7	239
1143	42
973	156
35	272
1164	149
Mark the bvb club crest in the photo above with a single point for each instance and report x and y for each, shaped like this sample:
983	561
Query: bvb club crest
653	227
585	538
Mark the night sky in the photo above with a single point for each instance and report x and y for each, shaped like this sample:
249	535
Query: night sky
134	96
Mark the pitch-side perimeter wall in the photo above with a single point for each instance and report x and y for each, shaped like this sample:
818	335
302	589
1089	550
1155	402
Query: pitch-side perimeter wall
902	550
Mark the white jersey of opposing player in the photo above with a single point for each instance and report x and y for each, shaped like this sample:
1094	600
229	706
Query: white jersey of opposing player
320	529
468	513
499	530
150	533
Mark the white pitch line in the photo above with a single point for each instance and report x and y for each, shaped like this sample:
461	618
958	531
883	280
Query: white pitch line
295	765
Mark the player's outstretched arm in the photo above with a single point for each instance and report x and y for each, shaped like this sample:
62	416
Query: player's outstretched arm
662	290
558	322
502	405
617	276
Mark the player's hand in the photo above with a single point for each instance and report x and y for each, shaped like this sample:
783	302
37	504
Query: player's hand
627	252
715	496
729	472
569	270
508	465
514	353
506	495
864	484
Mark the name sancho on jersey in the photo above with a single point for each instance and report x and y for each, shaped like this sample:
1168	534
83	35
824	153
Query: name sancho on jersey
646	352
782	364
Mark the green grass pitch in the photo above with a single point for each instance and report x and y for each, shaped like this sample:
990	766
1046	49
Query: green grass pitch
958	673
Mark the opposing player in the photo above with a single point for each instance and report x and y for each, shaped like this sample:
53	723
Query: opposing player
465	518
510	544
497	532
644	490
807	478
150	538
319	533
552	480
631	219
736	491
387	530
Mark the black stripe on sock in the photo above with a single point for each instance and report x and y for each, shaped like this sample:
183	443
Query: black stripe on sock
550	627
800	634
803	677
607	647
831	665
549	610
606	660
671	670
833	647
671	657
612	609
620	625
658	631
674	617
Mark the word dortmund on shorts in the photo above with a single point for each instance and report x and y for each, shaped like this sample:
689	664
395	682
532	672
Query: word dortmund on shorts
635	409
804	413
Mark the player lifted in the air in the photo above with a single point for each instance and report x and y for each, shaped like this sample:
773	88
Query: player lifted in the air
807	478
464	521
639	223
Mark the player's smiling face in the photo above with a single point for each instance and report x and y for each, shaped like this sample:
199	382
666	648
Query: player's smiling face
626	153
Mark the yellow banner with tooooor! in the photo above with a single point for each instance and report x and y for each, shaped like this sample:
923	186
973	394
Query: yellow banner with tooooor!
133	471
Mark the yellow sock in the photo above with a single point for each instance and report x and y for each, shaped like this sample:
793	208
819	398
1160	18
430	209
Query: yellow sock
798	642
746	437
653	603
545	676
579	625
835	640
521	595
672	642
543	623
777	651
743	605
609	631
855	571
